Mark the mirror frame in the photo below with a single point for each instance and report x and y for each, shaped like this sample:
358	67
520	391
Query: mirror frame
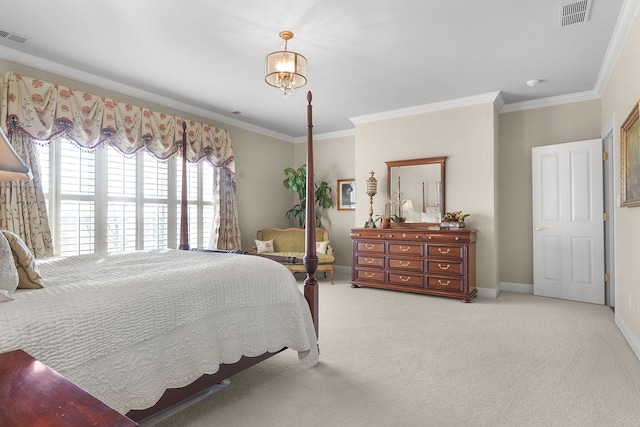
417	162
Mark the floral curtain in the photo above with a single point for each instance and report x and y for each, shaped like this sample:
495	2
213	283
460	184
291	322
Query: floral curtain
23	209
225	233
42	111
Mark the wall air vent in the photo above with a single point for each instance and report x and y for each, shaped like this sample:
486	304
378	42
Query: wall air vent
4	34
574	13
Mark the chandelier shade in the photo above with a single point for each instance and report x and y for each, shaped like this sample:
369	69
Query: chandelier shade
286	70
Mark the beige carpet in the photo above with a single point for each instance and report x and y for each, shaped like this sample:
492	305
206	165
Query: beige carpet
398	359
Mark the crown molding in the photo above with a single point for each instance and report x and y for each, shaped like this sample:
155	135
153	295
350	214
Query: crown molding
626	21
427	108
327	135
550	101
92	79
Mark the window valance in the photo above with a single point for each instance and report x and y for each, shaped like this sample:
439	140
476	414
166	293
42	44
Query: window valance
46	110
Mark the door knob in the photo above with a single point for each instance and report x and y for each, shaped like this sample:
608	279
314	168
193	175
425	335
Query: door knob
539	228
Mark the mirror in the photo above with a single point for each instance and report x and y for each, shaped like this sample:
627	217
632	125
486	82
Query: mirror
416	189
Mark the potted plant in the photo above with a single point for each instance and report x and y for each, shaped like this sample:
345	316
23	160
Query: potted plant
454	219
296	181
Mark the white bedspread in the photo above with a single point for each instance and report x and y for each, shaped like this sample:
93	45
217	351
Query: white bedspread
125	327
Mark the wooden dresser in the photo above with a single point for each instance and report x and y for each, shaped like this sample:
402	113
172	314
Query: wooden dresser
429	260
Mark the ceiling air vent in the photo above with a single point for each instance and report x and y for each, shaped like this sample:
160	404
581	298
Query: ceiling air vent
12	36
574	13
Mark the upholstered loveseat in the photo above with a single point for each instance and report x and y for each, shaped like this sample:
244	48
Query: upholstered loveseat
290	242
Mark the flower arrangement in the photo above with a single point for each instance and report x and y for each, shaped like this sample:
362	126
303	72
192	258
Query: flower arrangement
455	216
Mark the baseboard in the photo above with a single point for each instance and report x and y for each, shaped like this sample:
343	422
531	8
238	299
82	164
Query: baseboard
505	286
522	288
628	335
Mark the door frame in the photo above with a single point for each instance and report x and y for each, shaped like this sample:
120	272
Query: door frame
611	184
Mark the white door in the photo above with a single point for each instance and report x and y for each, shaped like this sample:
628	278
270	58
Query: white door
568	231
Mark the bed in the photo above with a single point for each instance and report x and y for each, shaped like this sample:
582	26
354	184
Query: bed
144	331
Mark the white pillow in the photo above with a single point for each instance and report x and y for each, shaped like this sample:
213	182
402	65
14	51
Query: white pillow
8	270
264	246
322	247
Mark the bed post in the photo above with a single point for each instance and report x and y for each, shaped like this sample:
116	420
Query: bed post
184	224
310	257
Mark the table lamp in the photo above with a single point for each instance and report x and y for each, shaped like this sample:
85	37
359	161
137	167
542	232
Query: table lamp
12	168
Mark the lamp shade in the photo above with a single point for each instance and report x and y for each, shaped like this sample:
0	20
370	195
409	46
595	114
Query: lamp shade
286	70
12	168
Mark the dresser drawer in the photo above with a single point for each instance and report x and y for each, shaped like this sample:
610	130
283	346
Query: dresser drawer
406	248
370	275
442	267
411	280
452	237
413	264
373	247
404	235
440	251
364	260
444	283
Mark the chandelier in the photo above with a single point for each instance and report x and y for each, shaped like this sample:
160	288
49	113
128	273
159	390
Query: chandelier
286	70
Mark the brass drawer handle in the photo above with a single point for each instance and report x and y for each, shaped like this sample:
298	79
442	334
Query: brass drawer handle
457	238
369	260
430	237
444	268
440	282
405	279
369	246
379	235
370	275
404	248
405	263
443	251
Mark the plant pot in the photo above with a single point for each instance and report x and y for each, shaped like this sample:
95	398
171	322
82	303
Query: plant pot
385	223
452	224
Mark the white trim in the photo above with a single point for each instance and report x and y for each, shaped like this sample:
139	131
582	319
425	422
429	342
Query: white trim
427	108
628	335
92	79
523	288
550	101
327	135
626	20
488	293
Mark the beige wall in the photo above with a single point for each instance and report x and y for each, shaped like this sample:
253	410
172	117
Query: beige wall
467	137
519	132
620	95
260	159
333	159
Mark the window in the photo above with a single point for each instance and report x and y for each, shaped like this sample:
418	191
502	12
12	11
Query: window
101	201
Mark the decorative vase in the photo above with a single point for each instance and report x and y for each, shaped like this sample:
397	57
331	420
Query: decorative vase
385	223
452	224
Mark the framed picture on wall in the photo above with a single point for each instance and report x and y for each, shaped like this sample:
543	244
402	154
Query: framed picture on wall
630	159
346	194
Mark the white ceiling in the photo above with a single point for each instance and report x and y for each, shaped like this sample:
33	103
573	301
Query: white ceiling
365	57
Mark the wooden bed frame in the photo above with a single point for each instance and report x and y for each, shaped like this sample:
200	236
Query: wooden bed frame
174	397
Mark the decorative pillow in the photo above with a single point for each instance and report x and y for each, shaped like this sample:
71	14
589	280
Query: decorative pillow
322	247
28	273
8	271
264	246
